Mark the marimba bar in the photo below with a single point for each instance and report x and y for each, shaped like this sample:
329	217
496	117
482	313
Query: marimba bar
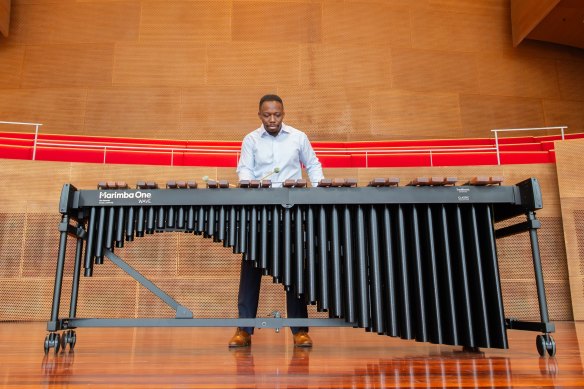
416	262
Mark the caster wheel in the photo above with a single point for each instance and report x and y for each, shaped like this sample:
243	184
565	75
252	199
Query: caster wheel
551	346
545	343
69	338
52	340
540	344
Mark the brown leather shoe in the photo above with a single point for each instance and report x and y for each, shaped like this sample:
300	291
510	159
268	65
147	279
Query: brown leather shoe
301	339
240	339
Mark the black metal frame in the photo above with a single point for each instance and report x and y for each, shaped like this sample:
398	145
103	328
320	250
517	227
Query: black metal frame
524	198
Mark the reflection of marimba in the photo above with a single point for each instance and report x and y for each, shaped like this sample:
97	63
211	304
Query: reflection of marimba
415	262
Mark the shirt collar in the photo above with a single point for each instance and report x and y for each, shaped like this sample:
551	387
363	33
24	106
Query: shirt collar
283	129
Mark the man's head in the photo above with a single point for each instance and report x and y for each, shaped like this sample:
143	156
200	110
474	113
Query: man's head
271	113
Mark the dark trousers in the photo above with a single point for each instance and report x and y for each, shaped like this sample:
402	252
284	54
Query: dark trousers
250	280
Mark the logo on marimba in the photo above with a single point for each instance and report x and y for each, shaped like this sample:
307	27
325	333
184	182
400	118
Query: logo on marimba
142	197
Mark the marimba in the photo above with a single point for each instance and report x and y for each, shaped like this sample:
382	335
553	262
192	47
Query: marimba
416	261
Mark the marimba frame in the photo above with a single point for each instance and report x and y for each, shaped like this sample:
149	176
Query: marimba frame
345	204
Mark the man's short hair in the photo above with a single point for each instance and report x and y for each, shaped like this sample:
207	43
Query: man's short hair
271	98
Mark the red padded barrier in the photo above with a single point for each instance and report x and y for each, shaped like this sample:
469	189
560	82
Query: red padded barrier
144	157
525	157
69	154
16	141
210	159
17	135
521	147
82	139
213	143
15	152
334	160
390	160
548	145
513	150
464	159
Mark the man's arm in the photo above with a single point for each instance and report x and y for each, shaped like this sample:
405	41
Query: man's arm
311	162
246	160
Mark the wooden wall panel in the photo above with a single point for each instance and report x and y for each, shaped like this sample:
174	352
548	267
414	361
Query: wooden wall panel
61	110
159	64
526	14
94	22
511	75
444	27
11	66
424	70
569	113
334	65
334	113
4	17
292	22
479	112
390	26
68	65
254	64
405	114
31	23
132	112
211	110
341	71
185	21
571	77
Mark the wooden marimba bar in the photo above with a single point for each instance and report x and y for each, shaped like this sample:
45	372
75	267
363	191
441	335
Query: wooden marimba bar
417	261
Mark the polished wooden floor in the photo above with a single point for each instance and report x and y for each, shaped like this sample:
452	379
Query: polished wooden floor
340	358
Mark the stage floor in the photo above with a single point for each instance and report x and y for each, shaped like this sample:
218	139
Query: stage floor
340	358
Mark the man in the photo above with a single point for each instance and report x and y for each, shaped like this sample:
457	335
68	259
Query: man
274	151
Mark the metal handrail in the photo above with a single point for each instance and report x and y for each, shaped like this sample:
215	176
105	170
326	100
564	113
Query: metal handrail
36	133
172	150
496	132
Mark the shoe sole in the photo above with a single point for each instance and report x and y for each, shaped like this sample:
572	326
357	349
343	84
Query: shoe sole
239	345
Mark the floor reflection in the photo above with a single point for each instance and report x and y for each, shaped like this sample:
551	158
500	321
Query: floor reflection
440	371
56	368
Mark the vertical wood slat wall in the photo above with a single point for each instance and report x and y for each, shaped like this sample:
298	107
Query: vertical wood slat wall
203	275
348	70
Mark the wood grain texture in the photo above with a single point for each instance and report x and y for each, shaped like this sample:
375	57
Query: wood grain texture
341	358
389	26
68	65
526	15
512	75
294	22
405	114
479	112
132	111
159	64
185	21
11	66
425	70
5	17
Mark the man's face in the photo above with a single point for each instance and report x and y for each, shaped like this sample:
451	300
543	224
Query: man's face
271	114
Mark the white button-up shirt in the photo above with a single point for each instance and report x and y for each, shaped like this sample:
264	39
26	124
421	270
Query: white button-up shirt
262	154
